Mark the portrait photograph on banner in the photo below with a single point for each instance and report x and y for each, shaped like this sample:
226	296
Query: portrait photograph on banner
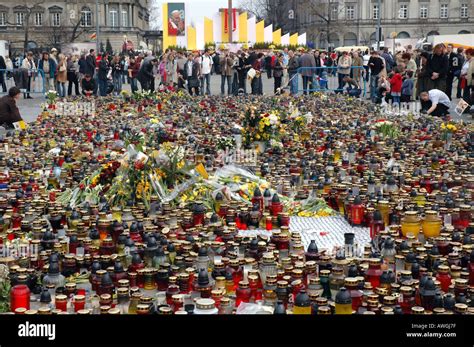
176	19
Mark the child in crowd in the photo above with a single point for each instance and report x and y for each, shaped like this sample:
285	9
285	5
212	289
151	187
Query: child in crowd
396	85
384	90
407	87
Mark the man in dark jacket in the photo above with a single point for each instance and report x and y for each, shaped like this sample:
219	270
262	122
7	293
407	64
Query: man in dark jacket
145	75
9	112
89	86
191	74
307	62
437	67
102	74
90	63
293	65
455	63
389	61
3	67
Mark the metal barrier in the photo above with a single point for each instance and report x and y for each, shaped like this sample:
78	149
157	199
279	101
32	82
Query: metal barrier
327	79
21	78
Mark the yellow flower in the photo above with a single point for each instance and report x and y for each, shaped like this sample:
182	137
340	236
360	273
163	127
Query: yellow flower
257	137
443	126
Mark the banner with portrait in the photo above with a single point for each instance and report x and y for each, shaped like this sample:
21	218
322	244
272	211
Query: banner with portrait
176	19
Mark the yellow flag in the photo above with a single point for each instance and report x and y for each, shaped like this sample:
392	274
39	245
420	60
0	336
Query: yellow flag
202	171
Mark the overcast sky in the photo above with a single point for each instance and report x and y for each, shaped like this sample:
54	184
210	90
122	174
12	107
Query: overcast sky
198	9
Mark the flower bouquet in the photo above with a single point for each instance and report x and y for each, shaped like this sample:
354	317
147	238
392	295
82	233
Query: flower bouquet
51	95
447	131
386	129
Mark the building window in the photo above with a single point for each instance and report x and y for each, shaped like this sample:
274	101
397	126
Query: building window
20	17
350	12
375	12
403	13
3	19
124	18
464	13
56	19
443	13
38	19
113	17
86	17
423	11
334	12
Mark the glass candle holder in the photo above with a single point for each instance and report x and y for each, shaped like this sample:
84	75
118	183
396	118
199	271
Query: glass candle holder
79	302
61	302
19	297
411	224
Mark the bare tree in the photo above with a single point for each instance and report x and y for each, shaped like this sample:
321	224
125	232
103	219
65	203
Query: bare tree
27	7
327	12
276	12
155	14
423	30
286	14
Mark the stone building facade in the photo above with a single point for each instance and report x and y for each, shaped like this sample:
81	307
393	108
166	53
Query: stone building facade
354	22
52	23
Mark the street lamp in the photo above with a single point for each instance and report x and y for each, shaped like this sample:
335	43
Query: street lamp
379	24
97	26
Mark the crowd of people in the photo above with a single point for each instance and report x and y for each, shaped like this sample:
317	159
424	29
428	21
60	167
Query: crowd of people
402	77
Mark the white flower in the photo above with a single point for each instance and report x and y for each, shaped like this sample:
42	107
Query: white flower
273	119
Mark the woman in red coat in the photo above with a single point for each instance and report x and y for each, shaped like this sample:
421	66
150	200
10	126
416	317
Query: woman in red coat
396	82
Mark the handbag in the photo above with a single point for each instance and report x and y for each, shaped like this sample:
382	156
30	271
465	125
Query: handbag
193	83
62	68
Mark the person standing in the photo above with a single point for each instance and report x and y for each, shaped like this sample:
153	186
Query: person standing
376	66
307	65
256	84
226	64
467	76
102	74
28	65
191	74
343	69
206	68
82	67
388	58
181	61
145	75
72	75
293	66
133	69
407	87
278	73
3	68
61	75
357	67
90	66
366	59
171	70
454	69
117	74
242	72
423	81
437	67
396	85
